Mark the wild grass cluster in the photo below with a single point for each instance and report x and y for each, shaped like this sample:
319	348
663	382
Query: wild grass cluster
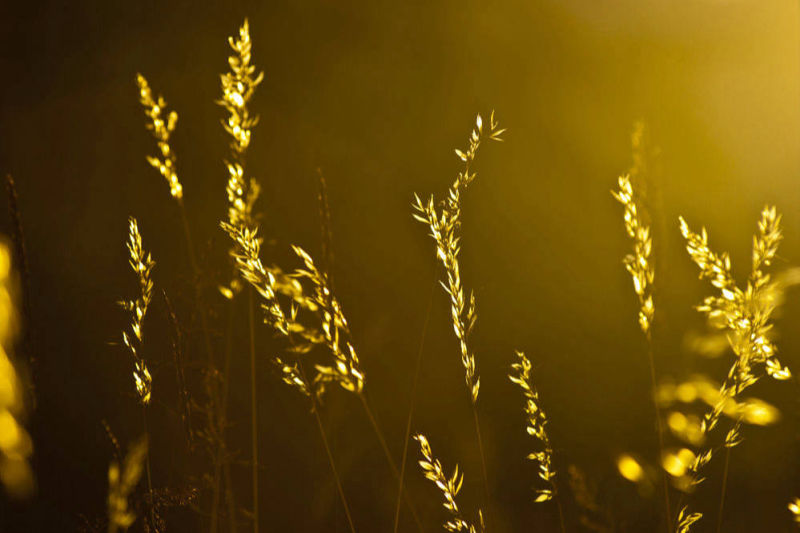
299	306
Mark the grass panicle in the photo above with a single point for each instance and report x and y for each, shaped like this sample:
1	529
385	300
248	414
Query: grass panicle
449	486
639	264
444	222
745	315
238	87
161	124
332	332
142	264
122	480
535	426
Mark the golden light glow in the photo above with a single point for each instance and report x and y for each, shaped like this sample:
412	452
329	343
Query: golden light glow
759	413
630	469
794	508
687	428
678	463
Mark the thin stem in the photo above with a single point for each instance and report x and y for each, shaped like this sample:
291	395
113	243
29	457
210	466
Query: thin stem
480	449
417	371
215	496
188	234
229	496
560	509
253	405
333	468
226	467
388	455
198	292
660	429
315	410
379	433
147	469
724	488
213	412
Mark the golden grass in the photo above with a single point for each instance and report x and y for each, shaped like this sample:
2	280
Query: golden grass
639	264
122	481
449	487
745	314
444	221
535	426
142	264
301	308
162	128
238	87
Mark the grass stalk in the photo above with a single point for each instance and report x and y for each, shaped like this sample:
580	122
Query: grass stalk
229	499
253	404
388	454
147	470
220	461
659	430
337	479
214	421
333	467
560	512
414	383
483	456
724	488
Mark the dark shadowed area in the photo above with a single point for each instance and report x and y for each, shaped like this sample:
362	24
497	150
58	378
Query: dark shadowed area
377	95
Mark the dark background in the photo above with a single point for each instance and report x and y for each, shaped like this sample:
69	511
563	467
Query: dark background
378	94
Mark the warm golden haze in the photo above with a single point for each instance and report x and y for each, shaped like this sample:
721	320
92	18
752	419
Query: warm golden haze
332	324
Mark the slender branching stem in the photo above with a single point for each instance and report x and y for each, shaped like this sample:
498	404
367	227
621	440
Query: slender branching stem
417	371
214	421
